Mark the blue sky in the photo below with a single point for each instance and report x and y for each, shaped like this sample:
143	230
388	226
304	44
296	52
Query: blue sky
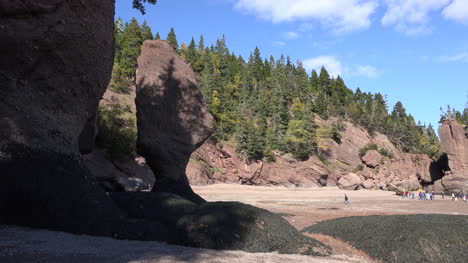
413	51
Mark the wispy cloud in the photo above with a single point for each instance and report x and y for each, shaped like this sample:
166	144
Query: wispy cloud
457	11
367	71
411	16
279	43
290	35
339	15
460	57
331	63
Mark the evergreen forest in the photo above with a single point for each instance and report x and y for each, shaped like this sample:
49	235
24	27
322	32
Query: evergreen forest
262	103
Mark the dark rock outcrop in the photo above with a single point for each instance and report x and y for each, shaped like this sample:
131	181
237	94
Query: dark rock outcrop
455	144
113	179
52	76
219	225
56	61
173	120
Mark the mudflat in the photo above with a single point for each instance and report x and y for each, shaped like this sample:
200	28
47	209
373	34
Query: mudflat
300	206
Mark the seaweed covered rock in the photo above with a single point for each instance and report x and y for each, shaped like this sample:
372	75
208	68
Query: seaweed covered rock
402	238
173	119
219	225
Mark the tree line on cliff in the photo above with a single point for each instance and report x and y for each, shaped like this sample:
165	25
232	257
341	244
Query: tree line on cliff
269	104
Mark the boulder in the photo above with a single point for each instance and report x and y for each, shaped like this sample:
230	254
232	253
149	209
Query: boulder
407	185
136	167
351	181
454	140
368	184
173	120
372	158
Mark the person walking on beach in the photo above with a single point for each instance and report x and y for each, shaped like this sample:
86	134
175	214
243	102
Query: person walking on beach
346	200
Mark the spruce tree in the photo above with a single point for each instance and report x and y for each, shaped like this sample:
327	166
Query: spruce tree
157	36
172	39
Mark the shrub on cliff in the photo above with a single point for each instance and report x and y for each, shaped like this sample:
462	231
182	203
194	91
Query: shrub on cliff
117	131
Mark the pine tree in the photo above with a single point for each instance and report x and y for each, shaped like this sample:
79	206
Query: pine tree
131	47
157	36
172	39
146	33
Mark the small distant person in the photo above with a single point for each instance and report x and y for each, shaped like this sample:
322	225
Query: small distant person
403	193
346	200
453	196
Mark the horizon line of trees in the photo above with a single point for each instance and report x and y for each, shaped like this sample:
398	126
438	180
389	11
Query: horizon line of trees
270	104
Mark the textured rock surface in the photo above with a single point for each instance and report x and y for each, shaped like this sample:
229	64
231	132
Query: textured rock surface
173	120
213	163
56	60
52	76
350	181
222	164
454	141
372	158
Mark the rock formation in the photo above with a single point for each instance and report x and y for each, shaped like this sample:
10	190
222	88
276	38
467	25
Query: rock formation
454	141
173	120
56	60
213	163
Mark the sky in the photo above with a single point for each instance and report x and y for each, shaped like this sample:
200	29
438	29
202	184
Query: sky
413	51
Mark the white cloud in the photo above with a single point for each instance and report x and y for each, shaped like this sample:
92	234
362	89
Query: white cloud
367	71
332	64
458	11
461	57
411	16
290	35
339	15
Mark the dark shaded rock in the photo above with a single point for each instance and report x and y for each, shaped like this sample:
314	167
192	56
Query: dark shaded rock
54	191
51	74
136	167
219	225
110	177
56	61
172	116
87	139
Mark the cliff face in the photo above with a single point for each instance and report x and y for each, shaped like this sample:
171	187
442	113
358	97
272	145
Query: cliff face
454	139
213	163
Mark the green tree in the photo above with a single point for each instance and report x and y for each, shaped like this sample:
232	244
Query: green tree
172	39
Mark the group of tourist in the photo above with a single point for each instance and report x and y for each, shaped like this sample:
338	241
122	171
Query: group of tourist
426	195
460	196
